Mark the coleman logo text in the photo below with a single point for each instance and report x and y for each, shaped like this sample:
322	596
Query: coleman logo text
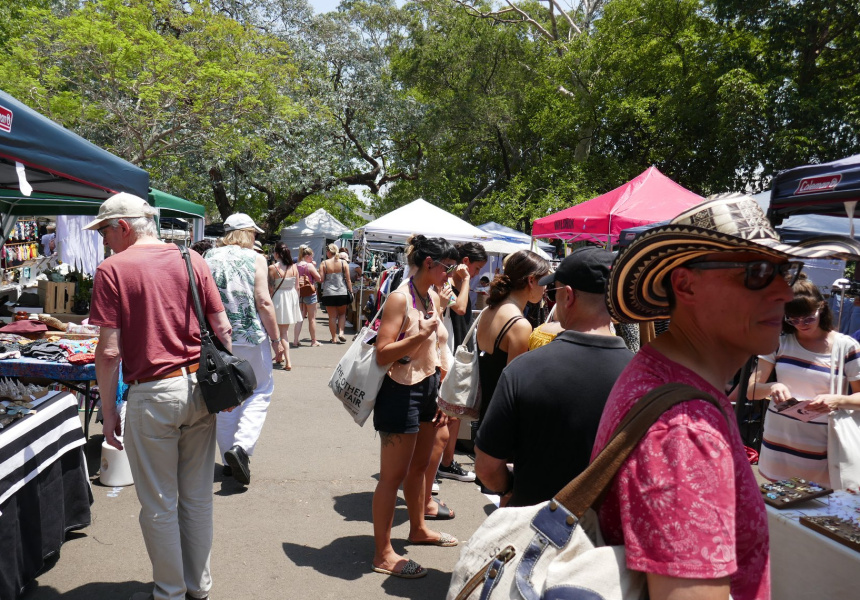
5	119
822	183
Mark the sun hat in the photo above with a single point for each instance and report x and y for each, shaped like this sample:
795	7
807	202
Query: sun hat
724	223
122	206
258	246
584	269
240	221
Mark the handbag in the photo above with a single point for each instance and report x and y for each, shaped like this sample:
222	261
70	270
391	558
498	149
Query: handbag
459	394
225	380
843	429
357	377
306	286
555	549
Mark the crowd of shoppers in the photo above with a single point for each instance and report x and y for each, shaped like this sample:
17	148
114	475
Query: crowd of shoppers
717	272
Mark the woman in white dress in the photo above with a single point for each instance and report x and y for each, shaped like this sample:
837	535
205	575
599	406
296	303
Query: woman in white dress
283	275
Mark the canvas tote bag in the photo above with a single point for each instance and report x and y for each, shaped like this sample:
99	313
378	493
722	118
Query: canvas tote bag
843	428
459	395
555	551
357	377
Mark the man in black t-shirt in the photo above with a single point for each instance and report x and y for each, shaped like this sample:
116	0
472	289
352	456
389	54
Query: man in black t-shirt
544	414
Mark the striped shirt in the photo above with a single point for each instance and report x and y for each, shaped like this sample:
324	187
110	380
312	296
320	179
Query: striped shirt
792	448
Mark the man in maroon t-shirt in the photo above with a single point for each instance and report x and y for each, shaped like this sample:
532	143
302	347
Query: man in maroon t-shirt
142	302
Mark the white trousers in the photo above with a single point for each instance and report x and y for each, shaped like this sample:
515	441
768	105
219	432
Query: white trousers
243	425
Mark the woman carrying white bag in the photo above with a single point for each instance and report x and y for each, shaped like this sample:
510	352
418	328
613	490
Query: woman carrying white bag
405	414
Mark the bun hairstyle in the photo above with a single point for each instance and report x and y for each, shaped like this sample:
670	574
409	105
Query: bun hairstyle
807	299
519	266
282	252
305	251
421	247
332	248
472	250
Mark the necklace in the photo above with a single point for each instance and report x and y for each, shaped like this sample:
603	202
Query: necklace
424	301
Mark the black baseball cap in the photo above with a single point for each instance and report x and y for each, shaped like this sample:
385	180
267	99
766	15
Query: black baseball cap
585	269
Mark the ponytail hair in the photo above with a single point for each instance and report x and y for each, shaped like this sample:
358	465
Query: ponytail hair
437	248
472	250
519	266
282	251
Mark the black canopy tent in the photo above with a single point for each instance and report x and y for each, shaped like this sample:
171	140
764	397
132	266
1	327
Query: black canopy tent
62	168
827	189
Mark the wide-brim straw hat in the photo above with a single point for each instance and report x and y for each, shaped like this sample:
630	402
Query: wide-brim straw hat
727	223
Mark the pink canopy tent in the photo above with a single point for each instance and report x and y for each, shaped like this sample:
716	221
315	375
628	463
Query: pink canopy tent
649	198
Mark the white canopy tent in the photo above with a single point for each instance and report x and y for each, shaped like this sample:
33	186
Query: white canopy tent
507	234
316	230
420	217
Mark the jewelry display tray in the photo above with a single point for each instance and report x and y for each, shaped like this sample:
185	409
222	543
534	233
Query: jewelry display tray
786	502
843	531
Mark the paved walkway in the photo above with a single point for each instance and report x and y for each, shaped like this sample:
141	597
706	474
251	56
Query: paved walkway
302	529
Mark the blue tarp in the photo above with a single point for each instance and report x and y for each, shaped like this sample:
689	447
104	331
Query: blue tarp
816	189
58	162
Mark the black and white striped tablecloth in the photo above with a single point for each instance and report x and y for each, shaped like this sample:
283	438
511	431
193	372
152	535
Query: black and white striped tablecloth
30	445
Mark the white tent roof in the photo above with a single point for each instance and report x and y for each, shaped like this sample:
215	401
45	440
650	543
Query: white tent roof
505	247
318	223
421	217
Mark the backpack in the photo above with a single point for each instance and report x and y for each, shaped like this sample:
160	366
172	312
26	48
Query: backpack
306	286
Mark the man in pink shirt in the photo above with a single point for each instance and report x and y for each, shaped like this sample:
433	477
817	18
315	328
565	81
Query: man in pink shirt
685	504
142	302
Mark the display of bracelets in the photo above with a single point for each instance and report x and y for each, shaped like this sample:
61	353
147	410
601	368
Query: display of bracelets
787	492
843	531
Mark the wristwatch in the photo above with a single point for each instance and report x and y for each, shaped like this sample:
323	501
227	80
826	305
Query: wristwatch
274	340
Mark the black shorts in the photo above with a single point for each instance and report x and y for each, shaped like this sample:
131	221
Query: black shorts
400	408
341	300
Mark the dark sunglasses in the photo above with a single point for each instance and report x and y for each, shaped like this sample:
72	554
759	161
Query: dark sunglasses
448	268
758	274
101	230
550	292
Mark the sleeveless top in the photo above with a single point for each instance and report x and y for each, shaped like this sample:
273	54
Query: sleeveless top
539	337
334	284
233	269
424	359
490	366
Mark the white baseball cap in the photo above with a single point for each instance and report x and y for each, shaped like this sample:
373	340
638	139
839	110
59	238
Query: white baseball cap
122	206
239	221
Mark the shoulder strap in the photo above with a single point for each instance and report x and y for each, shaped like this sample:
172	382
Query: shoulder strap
505	328
192	281
584	491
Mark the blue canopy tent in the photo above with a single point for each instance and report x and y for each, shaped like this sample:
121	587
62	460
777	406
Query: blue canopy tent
47	169
827	189
507	234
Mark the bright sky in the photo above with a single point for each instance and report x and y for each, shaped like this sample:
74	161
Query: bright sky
321	6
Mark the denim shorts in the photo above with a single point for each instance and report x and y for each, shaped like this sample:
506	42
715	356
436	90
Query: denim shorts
312	299
400	408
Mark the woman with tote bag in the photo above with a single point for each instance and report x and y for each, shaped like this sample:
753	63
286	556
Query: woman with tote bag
405	415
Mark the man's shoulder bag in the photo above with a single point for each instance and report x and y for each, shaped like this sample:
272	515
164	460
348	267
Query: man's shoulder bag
225	380
555	549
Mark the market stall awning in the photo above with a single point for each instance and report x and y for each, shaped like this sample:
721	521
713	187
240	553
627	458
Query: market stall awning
38	205
56	162
816	189
419	216
649	198
174	206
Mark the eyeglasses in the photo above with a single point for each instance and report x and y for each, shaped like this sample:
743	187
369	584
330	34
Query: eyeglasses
803	321
101	230
550	292
448	268
758	273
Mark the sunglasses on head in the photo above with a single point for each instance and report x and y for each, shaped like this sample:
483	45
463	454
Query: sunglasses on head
758	274
803	321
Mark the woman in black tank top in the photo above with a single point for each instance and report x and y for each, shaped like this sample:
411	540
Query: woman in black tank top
503	332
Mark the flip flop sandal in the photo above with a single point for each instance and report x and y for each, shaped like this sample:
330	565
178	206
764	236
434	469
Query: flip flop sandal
443	513
315	344
411	570
446	540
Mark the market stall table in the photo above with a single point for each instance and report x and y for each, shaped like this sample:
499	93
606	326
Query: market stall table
805	564
44	489
64	373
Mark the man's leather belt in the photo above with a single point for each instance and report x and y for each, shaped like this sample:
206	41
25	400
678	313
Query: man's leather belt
177	373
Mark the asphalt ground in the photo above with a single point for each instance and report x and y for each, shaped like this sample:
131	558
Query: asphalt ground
301	529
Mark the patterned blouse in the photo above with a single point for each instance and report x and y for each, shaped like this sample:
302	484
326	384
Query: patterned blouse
233	269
